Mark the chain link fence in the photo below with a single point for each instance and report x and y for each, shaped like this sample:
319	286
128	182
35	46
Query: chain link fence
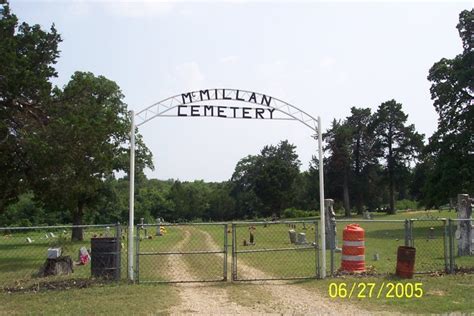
192	252
437	244
382	239
429	237
275	250
196	252
461	259
24	253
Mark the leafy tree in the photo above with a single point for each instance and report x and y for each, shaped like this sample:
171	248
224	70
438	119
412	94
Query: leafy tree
397	143
27	56
451	148
338	139
82	145
278	168
363	155
263	184
221	203
243	187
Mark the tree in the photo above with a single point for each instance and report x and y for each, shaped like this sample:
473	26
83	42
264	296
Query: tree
27	56
263	184
338	139
363	156
397	143
278	169
451	148
83	144
247	204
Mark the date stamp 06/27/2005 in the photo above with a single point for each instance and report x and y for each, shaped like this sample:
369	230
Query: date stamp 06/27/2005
384	290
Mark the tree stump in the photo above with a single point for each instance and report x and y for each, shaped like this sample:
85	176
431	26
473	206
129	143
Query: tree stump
57	266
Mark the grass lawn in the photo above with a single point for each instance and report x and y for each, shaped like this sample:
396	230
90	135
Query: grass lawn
20	261
183	238
441	294
106	299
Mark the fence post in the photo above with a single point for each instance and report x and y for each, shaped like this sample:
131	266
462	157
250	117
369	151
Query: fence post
234	254
445	240
333	244
317	248
412	237
118	250
451	246
407	233
225	252
137	256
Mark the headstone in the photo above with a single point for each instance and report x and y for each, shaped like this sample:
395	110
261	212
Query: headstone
301	239
292	234
46	236
54	253
331	239
464	210
158	227
29	240
57	266
431	234
52	235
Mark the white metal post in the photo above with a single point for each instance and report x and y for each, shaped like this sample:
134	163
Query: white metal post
131	213
321	202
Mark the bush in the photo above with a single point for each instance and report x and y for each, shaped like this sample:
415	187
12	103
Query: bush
406	205
294	213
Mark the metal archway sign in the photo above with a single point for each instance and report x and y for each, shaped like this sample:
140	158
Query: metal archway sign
201	103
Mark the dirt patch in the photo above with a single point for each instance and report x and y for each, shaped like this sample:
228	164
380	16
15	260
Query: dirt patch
54	286
198	298
287	297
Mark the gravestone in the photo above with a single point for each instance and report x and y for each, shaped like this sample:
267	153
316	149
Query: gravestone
158	226
464	226
57	266
301	239
330	218
292	234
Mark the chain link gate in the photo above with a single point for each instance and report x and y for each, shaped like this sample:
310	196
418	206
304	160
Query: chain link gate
275	250
181	252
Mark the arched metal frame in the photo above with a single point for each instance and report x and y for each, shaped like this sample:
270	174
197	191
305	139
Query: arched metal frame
163	109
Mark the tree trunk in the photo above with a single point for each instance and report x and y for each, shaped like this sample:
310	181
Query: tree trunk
391	181
77	232
345	189
358	175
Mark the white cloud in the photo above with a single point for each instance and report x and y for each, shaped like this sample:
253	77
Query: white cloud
189	76
229	59
138	9
327	62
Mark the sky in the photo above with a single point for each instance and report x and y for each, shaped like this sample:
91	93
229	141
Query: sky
322	57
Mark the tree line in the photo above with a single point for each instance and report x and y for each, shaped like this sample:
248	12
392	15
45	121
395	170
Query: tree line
61	149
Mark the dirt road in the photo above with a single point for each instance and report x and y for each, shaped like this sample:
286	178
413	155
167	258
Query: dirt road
281	297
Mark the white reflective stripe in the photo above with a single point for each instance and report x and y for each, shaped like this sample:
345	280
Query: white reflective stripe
353	243
353	258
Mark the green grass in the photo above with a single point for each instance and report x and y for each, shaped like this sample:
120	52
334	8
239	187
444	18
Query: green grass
300	261
106	299
21	261
441	294
201	266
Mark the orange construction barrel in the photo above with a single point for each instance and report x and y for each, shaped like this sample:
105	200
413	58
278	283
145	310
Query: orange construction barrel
353	248
405	262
